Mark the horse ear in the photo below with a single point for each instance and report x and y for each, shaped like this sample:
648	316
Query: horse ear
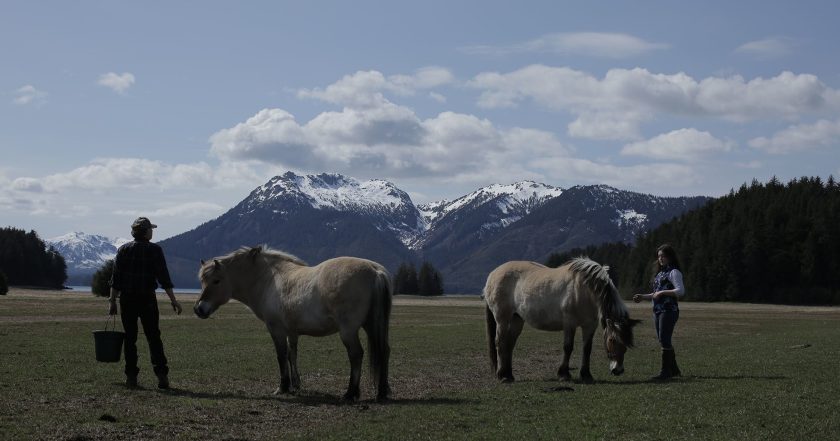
254	252
216	263
202	262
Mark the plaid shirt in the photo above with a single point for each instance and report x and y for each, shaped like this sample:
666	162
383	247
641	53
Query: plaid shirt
139	265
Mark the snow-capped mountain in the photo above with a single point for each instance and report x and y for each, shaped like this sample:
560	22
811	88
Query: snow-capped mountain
387	206
511	200
497	206
85	253
317	217
580	216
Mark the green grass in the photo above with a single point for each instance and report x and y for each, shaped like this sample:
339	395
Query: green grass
746	377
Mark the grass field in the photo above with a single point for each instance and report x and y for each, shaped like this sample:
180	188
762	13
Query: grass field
751	372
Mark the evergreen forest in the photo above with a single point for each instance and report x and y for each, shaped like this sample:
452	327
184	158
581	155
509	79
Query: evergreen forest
764	243
26	260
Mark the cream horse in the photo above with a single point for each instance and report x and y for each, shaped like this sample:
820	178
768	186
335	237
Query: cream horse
339	295
577	294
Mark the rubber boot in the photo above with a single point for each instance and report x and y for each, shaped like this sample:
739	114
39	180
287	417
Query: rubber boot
675	370
665	370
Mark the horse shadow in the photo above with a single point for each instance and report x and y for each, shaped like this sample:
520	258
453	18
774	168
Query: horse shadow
315	399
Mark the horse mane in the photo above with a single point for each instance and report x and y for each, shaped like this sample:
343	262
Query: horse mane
614	316
597	278
270	254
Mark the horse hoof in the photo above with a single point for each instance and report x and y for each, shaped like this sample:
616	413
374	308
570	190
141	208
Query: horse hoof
587	380
506	379
349	398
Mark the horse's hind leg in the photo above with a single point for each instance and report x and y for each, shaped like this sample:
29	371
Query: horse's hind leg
568	346
355	354
293	367
506	336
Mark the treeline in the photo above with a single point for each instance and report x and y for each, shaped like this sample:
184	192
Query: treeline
426	282
765	243
26	261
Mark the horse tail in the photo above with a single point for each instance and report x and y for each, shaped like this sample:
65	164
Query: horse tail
490	320
376	327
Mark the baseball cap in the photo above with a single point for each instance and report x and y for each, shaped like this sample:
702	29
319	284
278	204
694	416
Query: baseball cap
142	223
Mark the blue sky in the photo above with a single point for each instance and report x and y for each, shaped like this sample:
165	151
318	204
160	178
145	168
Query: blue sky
177	110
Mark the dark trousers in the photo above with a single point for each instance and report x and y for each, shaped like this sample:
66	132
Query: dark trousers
665	321
144	307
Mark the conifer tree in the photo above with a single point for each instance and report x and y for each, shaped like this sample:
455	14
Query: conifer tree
429	281
101	283
771	243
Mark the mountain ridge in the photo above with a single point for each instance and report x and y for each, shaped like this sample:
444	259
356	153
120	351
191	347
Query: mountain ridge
326	215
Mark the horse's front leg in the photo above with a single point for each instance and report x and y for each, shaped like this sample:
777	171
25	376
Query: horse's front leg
585	373
281	348
350	338
293	367
568	346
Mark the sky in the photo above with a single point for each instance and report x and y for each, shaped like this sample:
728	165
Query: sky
111	110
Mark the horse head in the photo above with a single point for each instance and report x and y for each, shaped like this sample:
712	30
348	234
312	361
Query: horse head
215	288
618	337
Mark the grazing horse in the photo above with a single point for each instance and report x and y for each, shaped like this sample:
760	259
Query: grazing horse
577	294
339	295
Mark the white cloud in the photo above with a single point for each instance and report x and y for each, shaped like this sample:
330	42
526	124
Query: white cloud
121	173
801	137
189	209
388	140
615	106
681	144
772	47
595	44
437	97
29	94
117	82
674	177
27	185
367	88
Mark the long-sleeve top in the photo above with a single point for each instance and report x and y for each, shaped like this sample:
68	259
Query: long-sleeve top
139	266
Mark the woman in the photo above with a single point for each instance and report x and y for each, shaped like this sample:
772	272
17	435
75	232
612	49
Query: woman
667	289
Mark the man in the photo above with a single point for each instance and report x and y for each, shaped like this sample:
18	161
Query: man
138	268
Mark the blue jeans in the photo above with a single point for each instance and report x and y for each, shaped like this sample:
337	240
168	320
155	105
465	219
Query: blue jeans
665	322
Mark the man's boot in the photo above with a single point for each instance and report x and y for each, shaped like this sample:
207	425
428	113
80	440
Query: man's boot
131	381
163	381
665	370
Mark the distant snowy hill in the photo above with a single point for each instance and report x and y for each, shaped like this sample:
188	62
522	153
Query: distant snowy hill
580	216
317	217
85	253
482	212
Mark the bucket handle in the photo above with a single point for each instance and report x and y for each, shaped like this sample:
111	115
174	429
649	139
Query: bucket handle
113	320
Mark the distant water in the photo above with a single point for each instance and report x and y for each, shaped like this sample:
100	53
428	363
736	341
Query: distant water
79	288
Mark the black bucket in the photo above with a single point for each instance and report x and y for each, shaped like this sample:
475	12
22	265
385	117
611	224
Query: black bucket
108	344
